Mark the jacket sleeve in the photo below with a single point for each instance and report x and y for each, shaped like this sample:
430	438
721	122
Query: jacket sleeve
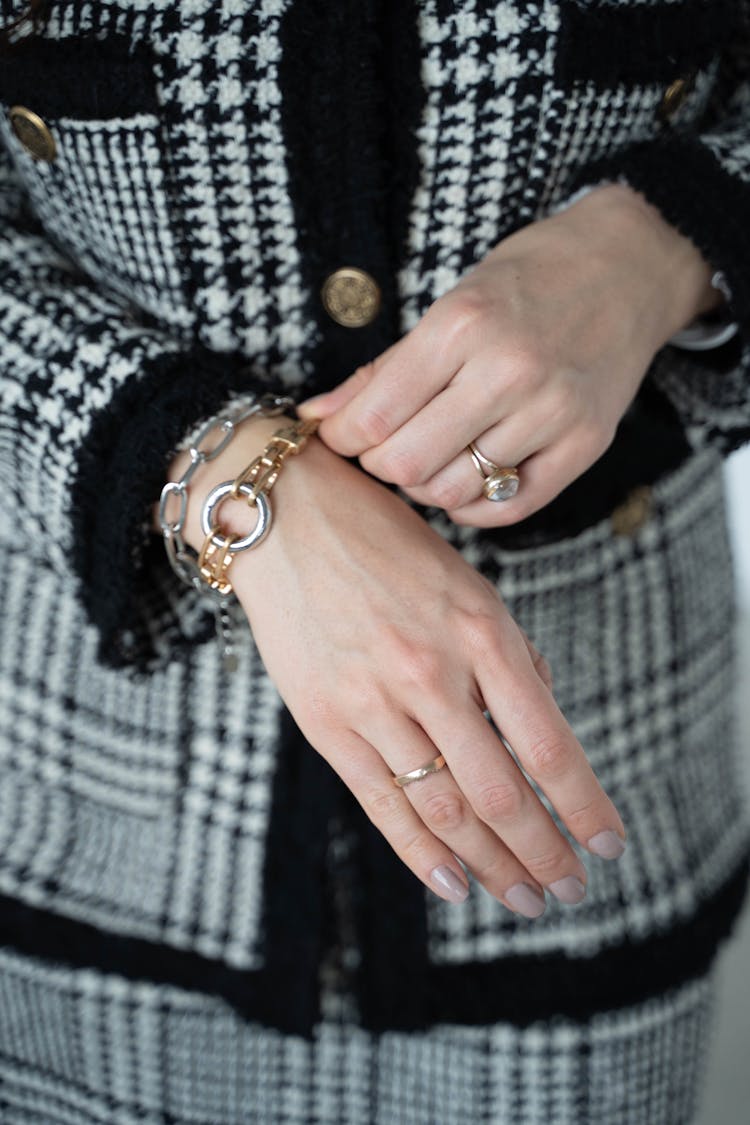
699	178
94	401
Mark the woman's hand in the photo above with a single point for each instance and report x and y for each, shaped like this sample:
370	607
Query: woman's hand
387	647
535	355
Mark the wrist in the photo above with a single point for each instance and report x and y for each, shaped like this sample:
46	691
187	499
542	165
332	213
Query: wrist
671	269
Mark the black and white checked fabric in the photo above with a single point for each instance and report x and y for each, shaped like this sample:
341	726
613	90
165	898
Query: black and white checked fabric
154	268
82	1048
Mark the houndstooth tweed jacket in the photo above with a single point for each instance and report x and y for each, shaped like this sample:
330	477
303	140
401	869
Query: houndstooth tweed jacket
215	161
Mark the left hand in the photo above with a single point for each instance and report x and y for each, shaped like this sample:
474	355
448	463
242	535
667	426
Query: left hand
535	355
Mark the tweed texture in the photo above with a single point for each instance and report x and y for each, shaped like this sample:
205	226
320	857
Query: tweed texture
161	824
178	227
88	1049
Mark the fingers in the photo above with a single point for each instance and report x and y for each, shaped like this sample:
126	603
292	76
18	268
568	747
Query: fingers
527	842
365	773
549	752
448	813
458	482
542	477
394	387
321	406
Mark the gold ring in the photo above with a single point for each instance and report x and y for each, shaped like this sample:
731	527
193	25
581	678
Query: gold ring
421	771
499	483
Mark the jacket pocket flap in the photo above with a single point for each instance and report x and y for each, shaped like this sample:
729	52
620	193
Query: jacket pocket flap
607	44
87	79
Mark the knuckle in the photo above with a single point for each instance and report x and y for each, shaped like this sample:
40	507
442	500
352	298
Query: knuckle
445	493
492	871
373	426
419	667
383	805
417	851
444	812
546	865
549	756
590	812
526	371
365	698
481	631
464	312
402	467
503	801
318	710
362	375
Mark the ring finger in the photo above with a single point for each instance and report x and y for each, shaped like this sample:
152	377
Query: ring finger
507	444
446	811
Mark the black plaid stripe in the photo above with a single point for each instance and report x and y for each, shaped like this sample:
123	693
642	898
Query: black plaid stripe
83	1048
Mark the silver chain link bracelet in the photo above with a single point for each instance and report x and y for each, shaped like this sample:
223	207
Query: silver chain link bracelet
182	558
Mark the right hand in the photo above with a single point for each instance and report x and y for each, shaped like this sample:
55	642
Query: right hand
387	647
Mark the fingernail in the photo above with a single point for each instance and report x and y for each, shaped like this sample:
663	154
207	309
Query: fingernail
451	887
311	402
569	890
607	844
526	900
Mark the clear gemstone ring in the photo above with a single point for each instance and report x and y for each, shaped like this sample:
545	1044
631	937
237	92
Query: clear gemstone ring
499	483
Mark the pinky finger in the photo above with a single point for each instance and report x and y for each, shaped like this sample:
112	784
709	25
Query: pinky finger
365	773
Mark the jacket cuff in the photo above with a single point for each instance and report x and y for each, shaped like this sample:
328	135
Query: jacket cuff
706	202
143	614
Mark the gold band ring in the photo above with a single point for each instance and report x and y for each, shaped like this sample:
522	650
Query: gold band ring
421	771
499	483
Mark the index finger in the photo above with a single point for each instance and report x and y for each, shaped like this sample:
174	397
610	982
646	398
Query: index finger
389	391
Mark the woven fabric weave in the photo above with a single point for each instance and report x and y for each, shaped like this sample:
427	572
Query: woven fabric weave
198	924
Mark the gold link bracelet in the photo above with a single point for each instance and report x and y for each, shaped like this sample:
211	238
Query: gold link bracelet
253	485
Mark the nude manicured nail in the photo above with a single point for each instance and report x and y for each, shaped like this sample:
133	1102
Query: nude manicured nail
526	900
451	887
607	844
568	890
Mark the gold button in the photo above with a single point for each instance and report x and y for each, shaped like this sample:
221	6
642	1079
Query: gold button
351	297
633	513
33	133
674	97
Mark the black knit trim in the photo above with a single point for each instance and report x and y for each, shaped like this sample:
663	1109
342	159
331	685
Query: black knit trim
83	78
516	990
522	989
390	919
303	803
120	473
66	942
609	44
686	182
351	101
